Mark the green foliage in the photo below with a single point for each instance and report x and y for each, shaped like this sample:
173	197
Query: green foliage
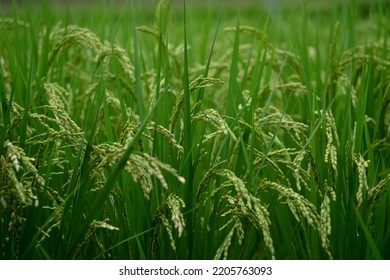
137	134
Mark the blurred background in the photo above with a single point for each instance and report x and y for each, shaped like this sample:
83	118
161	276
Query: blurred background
269	3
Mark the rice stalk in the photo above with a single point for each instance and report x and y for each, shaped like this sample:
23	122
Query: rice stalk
172	206
198	83
18	177
65	38
120	54
93	228
325	227
363	189
212	116
243	205
300	207
331	148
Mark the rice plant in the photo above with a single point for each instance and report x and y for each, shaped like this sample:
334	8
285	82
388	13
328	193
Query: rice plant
140	132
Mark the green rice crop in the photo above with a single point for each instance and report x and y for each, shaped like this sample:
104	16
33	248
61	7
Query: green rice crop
183	131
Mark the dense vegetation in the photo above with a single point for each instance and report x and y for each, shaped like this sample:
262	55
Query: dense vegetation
143	133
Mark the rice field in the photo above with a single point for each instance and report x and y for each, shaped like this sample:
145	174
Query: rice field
182	131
